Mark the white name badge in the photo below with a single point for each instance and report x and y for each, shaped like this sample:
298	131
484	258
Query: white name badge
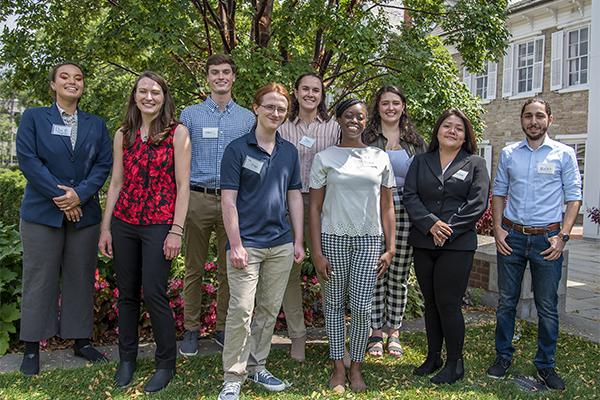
460	174
210	133
545	168
307	141
253	164
61	130
367	162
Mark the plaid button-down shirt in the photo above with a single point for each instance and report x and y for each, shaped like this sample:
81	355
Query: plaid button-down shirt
211	130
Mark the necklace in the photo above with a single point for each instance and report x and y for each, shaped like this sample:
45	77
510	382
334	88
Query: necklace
144	136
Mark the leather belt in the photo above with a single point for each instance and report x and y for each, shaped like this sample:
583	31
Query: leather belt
202	189
530	230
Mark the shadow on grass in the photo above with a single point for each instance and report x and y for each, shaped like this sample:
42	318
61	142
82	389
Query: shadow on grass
387	377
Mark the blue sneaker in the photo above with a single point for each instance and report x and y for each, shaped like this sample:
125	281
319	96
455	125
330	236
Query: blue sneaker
267	380
230	391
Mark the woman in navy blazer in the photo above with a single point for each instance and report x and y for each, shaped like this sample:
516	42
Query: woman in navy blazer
445	193
65	155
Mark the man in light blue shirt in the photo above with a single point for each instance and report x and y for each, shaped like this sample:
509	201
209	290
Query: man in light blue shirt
213	124
538	176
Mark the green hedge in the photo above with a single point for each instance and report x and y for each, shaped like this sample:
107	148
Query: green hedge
12	186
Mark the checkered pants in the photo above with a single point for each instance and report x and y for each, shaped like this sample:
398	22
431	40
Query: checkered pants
353	262
391	290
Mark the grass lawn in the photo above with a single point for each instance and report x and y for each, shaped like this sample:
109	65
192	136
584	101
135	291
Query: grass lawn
388	378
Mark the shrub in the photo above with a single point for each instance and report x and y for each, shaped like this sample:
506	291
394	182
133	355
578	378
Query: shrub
12	186
10	284
485	225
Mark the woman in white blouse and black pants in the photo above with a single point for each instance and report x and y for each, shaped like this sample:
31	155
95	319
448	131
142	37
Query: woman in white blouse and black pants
351	208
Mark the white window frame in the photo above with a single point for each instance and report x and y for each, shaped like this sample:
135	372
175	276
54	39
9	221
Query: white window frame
560	61
510	71
484	148
489	77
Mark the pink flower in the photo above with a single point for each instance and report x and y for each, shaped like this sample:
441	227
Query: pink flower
208	288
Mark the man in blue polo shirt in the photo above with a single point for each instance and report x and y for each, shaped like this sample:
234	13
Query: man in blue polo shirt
213	124
260	179
538	175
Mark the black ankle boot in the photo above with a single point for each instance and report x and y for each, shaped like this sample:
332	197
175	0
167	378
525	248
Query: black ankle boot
159	380
452	372
432	363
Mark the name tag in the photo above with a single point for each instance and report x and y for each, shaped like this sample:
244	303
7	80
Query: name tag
210	133
367	162
307	141
546	168
253	164
460	174
61	130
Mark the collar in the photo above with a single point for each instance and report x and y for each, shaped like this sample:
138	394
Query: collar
547	142
297	120
214	107
62	110
251	137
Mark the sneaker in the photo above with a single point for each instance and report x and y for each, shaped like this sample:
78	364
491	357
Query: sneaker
267	380
499	368
189	344
230	391
219	338
550	378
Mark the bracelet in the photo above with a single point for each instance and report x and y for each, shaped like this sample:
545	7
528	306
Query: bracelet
176	233
177	225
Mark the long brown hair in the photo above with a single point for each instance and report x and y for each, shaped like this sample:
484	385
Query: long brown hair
321	108
408	133
470	144
160	126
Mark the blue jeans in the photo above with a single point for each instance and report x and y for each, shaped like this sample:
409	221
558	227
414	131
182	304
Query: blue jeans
545	278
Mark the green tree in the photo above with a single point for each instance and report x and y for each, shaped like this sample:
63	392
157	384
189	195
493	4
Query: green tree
349	42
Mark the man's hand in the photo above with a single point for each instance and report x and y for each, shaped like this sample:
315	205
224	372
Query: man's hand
68	200
501	246
239	257
557	245
322	266
299	253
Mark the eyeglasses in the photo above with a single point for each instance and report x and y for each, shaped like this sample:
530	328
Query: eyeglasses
271	108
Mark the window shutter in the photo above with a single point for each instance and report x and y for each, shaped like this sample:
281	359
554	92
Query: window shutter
538	64
467	79
556	67
491	83
485	151
507	72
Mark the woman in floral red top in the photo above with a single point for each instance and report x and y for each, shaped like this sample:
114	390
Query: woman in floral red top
145	211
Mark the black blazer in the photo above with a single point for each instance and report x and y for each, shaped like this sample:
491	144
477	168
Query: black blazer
455	198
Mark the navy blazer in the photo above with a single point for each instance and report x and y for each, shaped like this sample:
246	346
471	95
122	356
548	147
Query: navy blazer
430	196
48	160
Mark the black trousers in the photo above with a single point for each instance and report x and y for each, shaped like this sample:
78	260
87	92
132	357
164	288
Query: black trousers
443	276
140	263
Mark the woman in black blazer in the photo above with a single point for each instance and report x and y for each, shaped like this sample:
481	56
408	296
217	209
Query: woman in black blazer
445	193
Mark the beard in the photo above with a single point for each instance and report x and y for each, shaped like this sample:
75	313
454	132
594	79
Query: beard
537	135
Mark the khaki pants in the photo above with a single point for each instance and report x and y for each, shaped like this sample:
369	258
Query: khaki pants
292	300
262	282
204	216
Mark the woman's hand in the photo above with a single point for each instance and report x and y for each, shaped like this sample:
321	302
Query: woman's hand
74	214
440	231
384	262
322	266
105	243
172	245
68	200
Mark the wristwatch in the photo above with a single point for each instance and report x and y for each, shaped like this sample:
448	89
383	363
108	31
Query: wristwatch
564	237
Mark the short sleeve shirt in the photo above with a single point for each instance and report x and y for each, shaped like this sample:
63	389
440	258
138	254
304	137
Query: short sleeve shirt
262	181
353	178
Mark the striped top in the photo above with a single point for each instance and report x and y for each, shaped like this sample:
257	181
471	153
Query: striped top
211	130
320	134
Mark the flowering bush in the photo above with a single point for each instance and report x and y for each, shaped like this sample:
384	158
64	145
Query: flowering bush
485	225
594	214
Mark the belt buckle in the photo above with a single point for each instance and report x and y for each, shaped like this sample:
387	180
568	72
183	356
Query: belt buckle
523	228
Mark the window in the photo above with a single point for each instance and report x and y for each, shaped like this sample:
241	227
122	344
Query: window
484	148
524	68
570	58
482	85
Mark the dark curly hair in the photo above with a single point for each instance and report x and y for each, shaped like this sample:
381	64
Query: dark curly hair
408	133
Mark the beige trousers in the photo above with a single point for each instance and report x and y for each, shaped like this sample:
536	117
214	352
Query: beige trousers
257	289
204	217
292	299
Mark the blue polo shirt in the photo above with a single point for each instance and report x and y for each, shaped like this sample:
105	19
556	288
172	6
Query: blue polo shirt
262	181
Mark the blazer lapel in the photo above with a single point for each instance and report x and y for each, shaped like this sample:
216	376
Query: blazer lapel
433	162
459	161
82	129
56	119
